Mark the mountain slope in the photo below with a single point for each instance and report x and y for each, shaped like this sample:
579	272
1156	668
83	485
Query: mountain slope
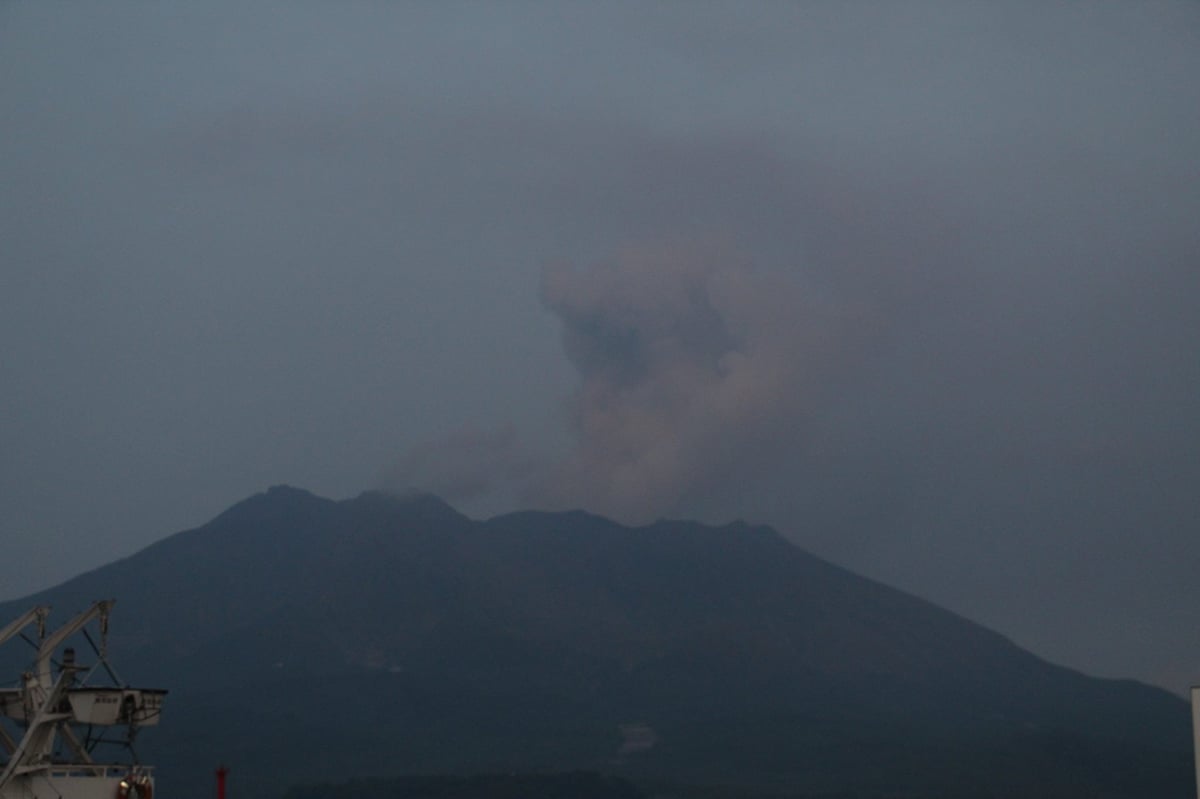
305	639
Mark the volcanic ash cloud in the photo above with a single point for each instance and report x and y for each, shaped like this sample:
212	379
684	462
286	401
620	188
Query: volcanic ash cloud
697	374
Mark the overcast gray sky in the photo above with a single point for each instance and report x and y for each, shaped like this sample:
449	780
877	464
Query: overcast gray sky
914	282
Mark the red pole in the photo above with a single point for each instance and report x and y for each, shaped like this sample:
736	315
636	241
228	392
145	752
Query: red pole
221	772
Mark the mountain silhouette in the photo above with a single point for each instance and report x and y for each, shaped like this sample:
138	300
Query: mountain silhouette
306	640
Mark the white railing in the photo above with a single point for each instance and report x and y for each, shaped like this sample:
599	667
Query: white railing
112	770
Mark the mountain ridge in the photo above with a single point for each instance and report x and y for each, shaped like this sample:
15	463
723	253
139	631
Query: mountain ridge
532	639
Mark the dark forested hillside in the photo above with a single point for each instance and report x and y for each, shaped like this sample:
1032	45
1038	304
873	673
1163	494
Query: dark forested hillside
573	785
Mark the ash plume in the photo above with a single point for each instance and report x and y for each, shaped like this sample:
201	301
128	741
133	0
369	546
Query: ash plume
697	373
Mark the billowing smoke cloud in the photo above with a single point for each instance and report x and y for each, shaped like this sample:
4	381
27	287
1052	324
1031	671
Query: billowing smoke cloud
698	372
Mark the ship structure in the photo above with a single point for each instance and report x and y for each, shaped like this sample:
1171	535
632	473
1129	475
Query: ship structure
68	725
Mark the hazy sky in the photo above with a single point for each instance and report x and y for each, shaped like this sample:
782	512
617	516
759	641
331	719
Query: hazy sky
917	283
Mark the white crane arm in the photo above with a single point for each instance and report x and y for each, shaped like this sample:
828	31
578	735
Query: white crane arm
99	610
37	614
